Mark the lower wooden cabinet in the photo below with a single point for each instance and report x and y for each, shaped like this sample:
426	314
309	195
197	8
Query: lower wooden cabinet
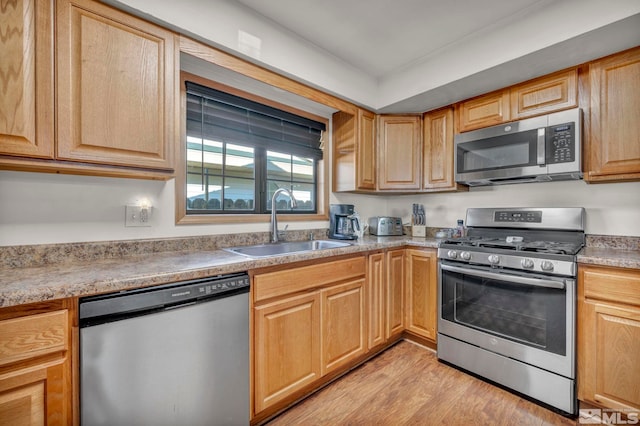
395	293
35	365
421	293
376	299
287	347
308	322
342	324
609	337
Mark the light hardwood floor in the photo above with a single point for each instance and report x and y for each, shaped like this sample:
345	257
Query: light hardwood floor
406	385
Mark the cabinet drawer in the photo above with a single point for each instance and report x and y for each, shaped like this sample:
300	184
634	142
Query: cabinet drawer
612	285
278	283
31	336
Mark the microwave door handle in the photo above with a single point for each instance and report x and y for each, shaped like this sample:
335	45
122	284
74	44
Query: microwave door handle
541	147
535	282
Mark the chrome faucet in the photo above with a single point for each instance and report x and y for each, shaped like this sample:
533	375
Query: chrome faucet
274	219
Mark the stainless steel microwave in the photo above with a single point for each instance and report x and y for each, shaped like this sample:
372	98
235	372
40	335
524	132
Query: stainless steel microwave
536	149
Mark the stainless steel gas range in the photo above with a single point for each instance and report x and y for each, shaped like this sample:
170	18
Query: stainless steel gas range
507	307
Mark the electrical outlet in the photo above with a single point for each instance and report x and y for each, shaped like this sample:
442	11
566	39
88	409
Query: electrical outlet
137	216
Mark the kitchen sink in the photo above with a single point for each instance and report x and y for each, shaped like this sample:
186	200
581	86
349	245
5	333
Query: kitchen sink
284	248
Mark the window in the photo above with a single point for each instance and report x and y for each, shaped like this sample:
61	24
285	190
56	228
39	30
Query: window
239	152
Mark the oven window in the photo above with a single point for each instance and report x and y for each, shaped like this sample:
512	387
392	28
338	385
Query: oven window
533	316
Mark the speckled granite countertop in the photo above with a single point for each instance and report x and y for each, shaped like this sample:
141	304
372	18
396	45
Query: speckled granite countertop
40	273
84	277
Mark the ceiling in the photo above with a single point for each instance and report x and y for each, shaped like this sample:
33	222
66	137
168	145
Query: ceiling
401	56
380	37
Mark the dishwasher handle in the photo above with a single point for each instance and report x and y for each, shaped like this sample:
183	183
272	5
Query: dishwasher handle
94	310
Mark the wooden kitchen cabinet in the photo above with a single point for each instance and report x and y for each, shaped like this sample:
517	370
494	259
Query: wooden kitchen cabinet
553	92
117	91
114	111
376	298
438	169
35	364
613	139
26	92
395	292
287	347
484	111
400	152
421	293
308	321
609	337
342	324
354	151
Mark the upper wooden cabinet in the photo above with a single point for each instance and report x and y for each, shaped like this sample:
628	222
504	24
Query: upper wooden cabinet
354	151
484	111
438	170
26	92
116	87
546	94
614	128
609	337
111	100
400	152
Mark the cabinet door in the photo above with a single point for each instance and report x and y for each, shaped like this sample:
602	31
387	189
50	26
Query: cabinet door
395	292
287	348
36	395
366	151
438	170
484	111
35	364
400	152
116	87
26	75
614	141
342	324
609	337
544	95
421	289
376	297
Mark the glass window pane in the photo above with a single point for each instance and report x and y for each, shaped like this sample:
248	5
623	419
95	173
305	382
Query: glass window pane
278	166
283	202
303	169
239	161
205	197
305	195
212	157
239	194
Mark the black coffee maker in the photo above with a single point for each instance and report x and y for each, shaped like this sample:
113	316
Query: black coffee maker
343	224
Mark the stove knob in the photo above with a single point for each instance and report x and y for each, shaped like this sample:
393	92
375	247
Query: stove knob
452	254
527	263
546	265
493	259
465	255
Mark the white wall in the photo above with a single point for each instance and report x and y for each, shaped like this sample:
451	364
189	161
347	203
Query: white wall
46	208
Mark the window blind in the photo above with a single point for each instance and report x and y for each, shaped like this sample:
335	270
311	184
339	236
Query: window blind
220	116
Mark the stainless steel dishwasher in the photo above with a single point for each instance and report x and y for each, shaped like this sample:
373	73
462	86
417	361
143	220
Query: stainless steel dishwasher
176	354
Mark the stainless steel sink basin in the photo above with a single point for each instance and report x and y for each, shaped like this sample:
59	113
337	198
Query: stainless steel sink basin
283	248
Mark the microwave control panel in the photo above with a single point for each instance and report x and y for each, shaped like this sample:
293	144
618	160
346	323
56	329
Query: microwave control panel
561	141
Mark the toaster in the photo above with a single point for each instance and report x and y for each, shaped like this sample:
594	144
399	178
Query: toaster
385	226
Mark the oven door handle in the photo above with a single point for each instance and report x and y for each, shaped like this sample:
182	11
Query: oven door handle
536	282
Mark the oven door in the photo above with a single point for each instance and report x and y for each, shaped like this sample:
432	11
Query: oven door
527	317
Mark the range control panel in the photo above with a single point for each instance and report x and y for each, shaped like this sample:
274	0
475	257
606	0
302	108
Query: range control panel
533	216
